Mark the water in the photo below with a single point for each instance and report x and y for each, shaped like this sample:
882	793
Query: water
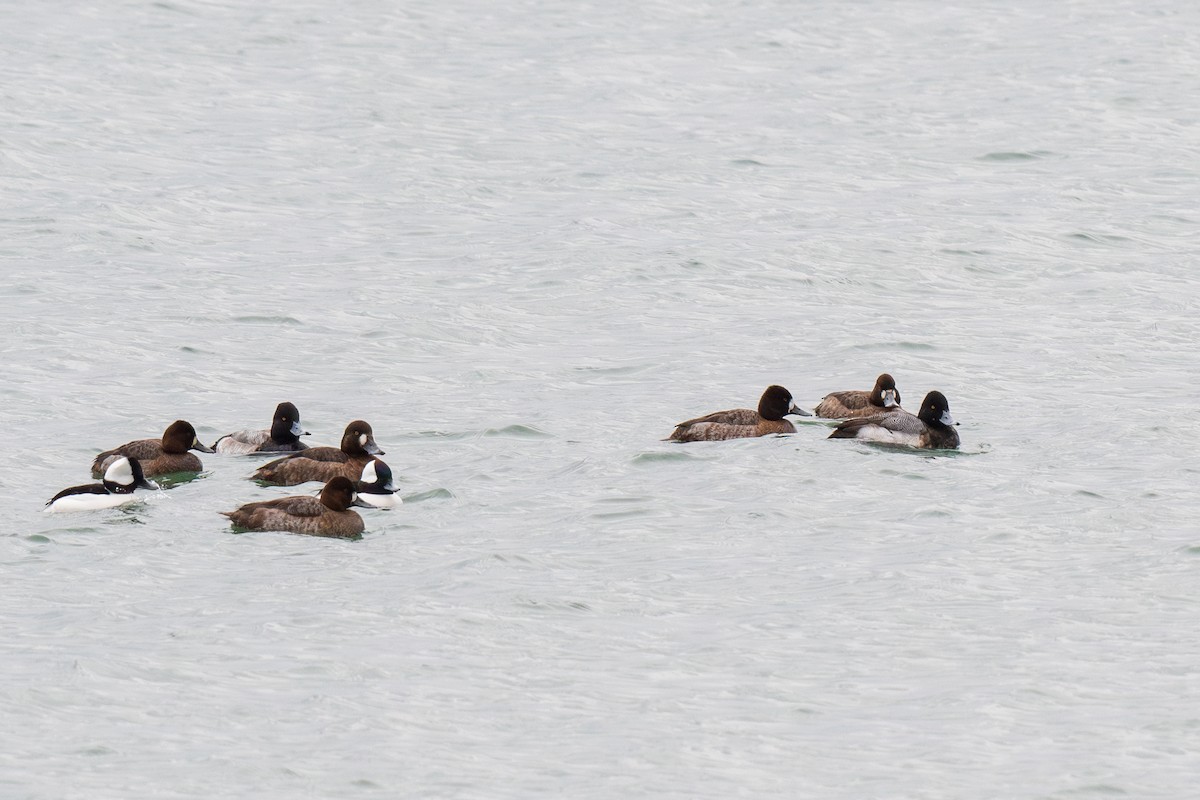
524	240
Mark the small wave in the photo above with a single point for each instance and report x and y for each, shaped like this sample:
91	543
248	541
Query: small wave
894	346
1099	238
256	319
432	494
1017	155
658	458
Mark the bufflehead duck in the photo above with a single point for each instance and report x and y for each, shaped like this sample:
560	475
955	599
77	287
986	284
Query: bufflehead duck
375	488
120	479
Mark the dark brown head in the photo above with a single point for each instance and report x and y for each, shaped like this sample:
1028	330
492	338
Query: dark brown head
359	440
286	425
776	403
338	494
935	411
180	436
885	394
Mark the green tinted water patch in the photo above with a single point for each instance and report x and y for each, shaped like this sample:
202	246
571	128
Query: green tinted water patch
172	479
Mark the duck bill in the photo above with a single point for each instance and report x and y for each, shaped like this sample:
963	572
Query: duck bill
889	399
798	411
298	431
373	448
200	446
146	483
947	419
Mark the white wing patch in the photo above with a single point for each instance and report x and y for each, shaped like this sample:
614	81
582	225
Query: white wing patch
120	472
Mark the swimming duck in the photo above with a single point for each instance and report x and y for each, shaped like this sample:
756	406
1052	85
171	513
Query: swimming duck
885	397
116	489
159	456
741	423
328	515
375	487
931	428
323	463
283	437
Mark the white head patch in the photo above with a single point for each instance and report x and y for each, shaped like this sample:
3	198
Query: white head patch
119	472
362	440
369	476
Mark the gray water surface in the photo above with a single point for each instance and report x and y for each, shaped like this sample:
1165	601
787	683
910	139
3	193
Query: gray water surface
523	240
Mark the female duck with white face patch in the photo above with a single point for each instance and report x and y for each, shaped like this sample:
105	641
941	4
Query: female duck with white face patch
932	427
324	463
375	487
883	398
120	479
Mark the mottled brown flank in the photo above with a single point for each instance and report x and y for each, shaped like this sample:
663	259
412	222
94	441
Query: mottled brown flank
322	463
158	456
150	453
738	423
307	515
840	405
313	464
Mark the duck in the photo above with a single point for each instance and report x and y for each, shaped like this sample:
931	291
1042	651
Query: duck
931	428
328	515
121	478
283	436
885	397
375	488
323	463
742	423
159	456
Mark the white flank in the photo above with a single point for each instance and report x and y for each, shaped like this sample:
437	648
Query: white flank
380	500
877	433
89	502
